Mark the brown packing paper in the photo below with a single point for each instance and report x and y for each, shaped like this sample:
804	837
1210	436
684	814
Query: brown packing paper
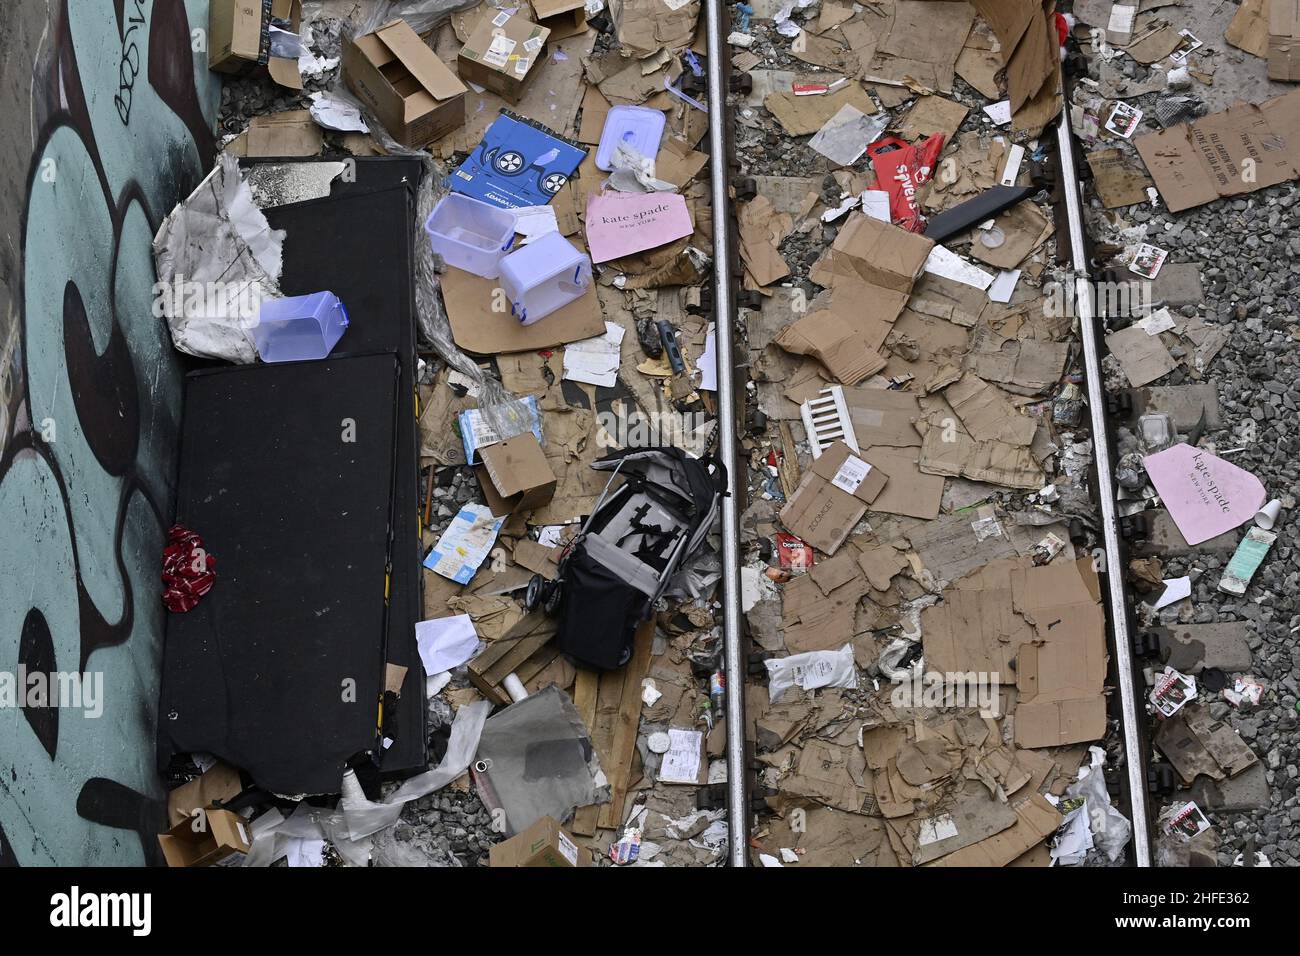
477	328
805	115
932	114
1239	150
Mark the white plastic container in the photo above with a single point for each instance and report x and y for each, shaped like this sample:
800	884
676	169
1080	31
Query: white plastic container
545	275
470	235
640	127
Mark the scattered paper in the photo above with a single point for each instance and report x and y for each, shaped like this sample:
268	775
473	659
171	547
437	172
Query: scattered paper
946	263
681	764
847	134
446	642
1004	286
1176	589
1172	691
595	361
999	113
620	224
332	112
465	544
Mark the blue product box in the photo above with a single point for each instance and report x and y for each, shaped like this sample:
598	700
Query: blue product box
517	164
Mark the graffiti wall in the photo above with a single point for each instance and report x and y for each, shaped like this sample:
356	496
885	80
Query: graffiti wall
118	123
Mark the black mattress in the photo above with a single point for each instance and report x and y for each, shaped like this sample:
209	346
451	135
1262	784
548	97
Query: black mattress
279	668
357	243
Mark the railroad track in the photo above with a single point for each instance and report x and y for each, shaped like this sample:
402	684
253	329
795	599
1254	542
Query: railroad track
1073	251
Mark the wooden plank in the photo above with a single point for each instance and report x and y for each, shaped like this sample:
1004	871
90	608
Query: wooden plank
585	690
626	725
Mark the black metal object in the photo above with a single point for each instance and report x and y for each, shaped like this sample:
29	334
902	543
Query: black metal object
984	206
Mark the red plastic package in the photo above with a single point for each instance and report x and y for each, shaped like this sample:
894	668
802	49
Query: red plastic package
900	169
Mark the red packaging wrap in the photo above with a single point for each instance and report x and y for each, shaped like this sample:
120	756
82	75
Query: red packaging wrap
900	169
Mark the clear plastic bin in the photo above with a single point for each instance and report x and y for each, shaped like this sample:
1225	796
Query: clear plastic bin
470	235
638	126
299	327
545	275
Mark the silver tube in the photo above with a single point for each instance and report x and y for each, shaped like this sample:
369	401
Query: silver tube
724	316
1083	304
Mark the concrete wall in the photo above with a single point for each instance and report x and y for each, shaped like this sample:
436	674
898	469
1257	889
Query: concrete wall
107	114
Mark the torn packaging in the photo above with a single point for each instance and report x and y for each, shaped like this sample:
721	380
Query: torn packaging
1029	47
1036	820
955	455
1239	150
1284	40
832	497
239	38
828	338
804	115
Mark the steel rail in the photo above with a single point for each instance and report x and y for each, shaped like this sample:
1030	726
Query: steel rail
724	318
1133	714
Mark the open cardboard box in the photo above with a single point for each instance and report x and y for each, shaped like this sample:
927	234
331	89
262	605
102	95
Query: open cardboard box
220	840
239	38
414	94
564	18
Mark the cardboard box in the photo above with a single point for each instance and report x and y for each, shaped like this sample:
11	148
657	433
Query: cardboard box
832	497
239	38
414	94
222	840
1284	40
515	475
544	843
564	18
501	52
220	783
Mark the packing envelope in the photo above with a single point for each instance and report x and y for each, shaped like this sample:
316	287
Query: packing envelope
1204	494
621	224
1239	150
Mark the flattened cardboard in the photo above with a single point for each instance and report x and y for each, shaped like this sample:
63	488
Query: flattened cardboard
477	328
1036	820
1196	163
932	114
877	253
515	475
563	18
1249	28
1284	40
986	413
1143	357
289	133
414	94
822	513
501	53
908	492
221	839
545	843
995	462
805	115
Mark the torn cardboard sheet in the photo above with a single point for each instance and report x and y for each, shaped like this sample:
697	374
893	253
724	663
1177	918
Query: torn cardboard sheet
917	44
805	115
1239	150
832	497
833	342
986	413
1143	356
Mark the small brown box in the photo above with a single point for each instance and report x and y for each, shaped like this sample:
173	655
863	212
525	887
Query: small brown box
564	18
501	52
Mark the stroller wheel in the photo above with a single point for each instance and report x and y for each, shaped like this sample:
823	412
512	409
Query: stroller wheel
532	596
551	595
625	656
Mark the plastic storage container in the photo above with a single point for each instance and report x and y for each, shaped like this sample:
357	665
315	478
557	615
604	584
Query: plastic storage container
299	327
545	275
638	126
470	235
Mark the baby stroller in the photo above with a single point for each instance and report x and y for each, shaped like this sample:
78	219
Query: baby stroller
635	540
